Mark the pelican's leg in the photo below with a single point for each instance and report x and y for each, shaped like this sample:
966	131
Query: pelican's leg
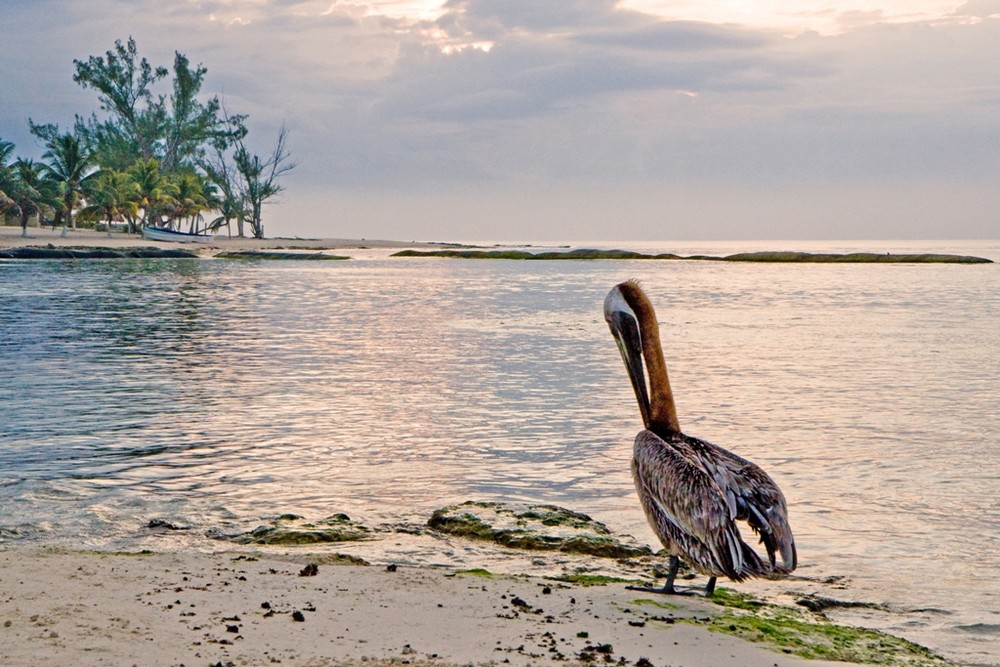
710	587
668	587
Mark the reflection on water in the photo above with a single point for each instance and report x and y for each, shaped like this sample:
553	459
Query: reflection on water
220	393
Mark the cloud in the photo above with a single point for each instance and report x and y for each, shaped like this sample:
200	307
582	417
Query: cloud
522	101
979	8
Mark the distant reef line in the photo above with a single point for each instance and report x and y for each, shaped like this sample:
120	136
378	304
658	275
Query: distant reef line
149	252
97	252
767	256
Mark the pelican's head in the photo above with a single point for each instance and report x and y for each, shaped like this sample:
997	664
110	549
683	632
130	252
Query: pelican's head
624	325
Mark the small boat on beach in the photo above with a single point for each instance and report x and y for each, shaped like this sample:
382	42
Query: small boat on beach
164	234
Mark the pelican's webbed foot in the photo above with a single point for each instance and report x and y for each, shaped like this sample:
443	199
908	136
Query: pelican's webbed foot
666	589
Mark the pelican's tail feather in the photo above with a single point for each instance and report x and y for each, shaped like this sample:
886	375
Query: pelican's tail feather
753	566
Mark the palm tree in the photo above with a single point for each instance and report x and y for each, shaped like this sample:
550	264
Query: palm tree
110	194
212	198
7	177
230	208
32	192
69	165
153	189
189	199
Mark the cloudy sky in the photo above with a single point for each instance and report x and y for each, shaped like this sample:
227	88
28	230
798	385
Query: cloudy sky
571	120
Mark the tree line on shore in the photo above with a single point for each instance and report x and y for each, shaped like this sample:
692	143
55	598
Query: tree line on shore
153	159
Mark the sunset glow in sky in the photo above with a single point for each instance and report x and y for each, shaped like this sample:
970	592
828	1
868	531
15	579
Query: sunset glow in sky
577	119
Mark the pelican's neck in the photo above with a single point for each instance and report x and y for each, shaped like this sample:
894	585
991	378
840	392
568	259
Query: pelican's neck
662	412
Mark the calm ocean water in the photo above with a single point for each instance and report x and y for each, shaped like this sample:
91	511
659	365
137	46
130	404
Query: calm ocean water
219	394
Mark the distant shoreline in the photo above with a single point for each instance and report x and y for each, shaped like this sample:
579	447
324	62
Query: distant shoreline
10	237
84	243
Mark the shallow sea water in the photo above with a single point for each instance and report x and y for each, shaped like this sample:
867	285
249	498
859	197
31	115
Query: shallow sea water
222	393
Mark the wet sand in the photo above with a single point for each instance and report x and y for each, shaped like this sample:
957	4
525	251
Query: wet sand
243	608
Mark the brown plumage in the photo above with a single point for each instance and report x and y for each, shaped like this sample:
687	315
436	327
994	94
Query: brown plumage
693	492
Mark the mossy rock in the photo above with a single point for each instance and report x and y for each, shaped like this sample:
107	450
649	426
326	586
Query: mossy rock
66	252
271	254
533	528
290	529
340	559
476	572
593	579
855	258
583	253
811	636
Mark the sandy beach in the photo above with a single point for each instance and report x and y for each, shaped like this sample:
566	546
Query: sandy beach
10	237
72	608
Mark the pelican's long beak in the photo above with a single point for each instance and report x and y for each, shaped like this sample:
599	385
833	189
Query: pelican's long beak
625	328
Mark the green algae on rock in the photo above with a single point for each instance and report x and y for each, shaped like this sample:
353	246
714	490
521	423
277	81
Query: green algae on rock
339	559
476	572
533	527
290	529
810	635
582	253
84	252
855	258
592	579
273	254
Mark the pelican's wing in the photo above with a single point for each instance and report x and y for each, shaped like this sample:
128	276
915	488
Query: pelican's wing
688	510
756	497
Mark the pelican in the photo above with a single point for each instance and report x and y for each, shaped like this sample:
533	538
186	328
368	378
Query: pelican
693	492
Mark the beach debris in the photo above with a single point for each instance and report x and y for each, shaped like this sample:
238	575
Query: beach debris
593	652
290	529
310	570
298	616
391	567
534	527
